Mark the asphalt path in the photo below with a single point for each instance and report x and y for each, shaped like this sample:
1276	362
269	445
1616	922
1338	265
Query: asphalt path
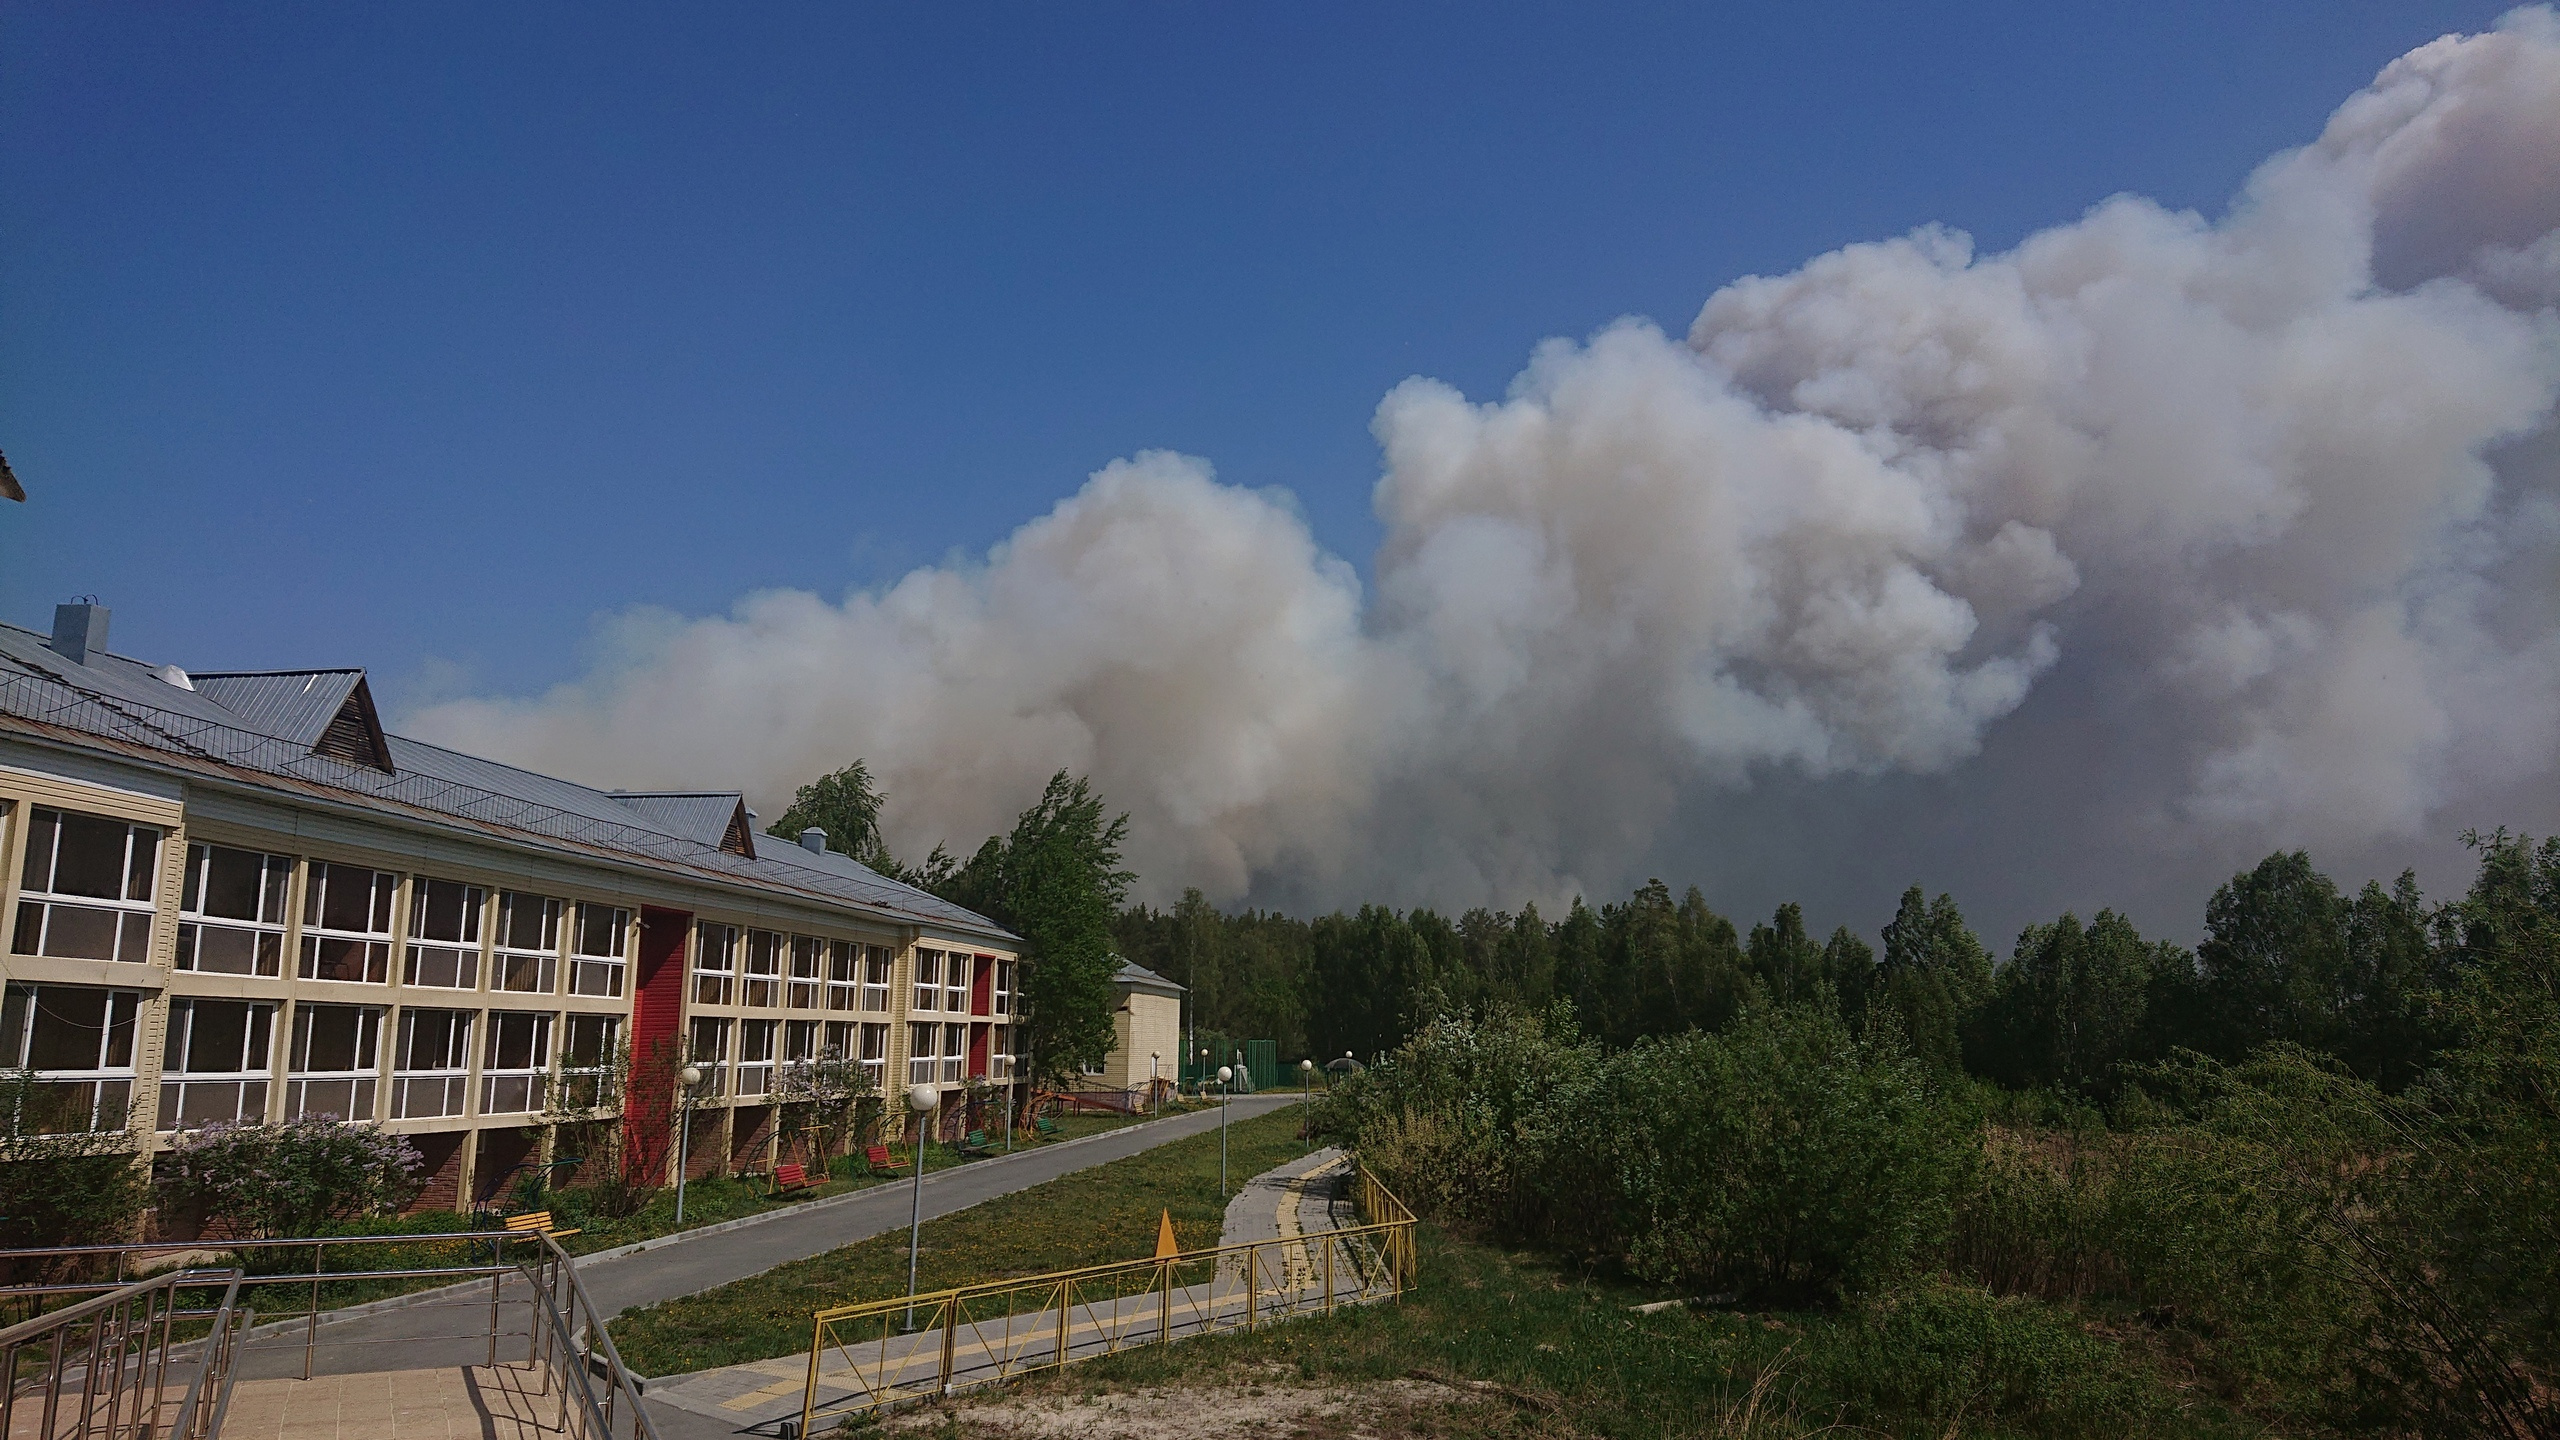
454	1329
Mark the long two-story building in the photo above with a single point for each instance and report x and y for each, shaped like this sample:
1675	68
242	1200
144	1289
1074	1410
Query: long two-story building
233	896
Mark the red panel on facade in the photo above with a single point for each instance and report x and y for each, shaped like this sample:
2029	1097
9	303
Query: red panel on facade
657	1020
982	987
978	1048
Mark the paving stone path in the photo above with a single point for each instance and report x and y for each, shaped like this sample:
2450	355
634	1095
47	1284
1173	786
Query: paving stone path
1294	1203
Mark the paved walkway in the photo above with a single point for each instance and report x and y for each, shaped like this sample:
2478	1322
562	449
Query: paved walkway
501	1402
1287	1213
453	1329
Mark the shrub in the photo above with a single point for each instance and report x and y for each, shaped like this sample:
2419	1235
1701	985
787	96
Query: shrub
1779	1157
1961	1358
62	1182
297	1178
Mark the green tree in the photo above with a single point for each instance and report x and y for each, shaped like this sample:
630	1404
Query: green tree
1784	958
2273	959
1055	881
1934	976
846	805
2072	1004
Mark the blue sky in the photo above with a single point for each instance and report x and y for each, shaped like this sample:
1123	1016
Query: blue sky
415	337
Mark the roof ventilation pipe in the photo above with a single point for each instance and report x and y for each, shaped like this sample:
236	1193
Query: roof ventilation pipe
79	628
814	840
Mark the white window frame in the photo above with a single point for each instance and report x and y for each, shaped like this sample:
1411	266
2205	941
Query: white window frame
924	1048
432	1091
874	1052
757	1042
760	975
515	1089
1000	1052
959	977
542	959
460	952
265	931
108	1084
713	1061
927	981
844	976
584	1085
361	1082
715	963
879	971
803	991
596	972
1004	989
41	907
955	1045
243	1084
382	887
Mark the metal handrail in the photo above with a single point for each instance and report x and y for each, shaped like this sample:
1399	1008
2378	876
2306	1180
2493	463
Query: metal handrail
1001	1330
119	1372
496	1270
573	1332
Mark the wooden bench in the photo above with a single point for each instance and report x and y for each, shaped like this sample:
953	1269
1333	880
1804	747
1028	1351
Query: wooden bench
976	1144
790	1177
535	1222
878	1159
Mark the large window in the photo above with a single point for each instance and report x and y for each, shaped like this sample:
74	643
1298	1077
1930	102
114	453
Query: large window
955	1050
346	923
231	912
955	984
875	1053
444	935
1000	1053
764	969
217	1062
85	892
707	1048
336	1061
715	964
1004	987
528	955
928	980
516	1067
876	963
755	1056
924	1045
590	1061
433	1064
844	974
78	1041
808	954
602	943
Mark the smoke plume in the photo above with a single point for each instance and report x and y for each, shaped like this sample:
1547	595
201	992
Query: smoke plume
2073	575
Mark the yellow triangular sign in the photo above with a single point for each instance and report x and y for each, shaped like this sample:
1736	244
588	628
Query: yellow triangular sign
1166	1249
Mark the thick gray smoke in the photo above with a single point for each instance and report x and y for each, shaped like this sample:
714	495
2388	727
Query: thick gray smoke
2068	576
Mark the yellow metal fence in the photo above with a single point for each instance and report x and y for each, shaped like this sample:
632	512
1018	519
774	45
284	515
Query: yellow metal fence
864	1358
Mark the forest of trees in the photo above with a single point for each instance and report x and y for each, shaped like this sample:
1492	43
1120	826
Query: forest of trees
2287	955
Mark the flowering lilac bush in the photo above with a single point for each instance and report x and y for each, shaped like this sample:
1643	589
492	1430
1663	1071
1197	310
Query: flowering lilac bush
296	1178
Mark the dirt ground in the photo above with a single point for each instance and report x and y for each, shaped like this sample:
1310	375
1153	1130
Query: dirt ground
1273	1410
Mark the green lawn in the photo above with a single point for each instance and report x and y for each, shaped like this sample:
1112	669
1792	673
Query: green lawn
1089	1218
1541	1348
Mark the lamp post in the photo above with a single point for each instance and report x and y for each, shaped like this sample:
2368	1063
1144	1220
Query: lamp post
921	1099
691	1075
1155	1081
1225	1074
1307	1078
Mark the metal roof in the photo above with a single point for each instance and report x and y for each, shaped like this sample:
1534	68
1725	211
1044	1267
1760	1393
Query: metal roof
125	707
1133	973
702	815
293	704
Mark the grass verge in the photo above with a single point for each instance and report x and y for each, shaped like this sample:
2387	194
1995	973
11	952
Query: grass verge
1521	1345
1091	1217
